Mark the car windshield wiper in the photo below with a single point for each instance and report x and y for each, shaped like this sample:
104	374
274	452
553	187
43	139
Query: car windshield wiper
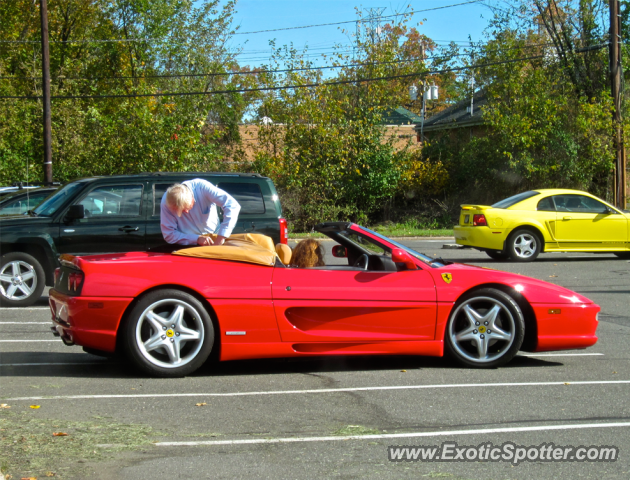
442	261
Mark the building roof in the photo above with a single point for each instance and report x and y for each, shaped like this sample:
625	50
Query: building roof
399	116
458	115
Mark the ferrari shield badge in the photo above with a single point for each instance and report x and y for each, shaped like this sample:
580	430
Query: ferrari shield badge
447	277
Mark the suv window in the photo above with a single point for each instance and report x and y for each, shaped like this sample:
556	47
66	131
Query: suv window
248	195
112	200
51	204
159	189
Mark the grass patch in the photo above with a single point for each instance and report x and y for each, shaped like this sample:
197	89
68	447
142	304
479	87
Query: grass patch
349	430
29	448
402	230
391	230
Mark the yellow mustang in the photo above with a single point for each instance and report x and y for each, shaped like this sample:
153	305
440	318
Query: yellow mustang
550	220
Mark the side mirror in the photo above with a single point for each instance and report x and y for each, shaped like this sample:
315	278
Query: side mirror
75	212
400	256
339	251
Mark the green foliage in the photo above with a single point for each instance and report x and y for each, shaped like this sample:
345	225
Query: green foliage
538	133
326	149
99	136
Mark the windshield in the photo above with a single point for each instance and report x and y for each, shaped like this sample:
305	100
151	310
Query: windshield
508	202
51	204
369	244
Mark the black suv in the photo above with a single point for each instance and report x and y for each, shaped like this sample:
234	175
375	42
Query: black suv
113	214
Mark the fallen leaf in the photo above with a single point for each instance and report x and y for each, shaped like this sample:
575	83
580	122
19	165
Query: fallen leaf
404	371
614	372
4	405
551	276
60	434
28	478
567	383
200	404
34	407
50	474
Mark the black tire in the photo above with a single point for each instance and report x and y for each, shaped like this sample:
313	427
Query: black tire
623	255
158	334
523	245
486	320
22	280
497	254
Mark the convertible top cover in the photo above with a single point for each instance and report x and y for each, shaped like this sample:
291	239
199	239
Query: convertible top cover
243	247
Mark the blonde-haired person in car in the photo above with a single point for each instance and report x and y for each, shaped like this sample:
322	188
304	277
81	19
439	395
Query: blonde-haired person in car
308	253
188	211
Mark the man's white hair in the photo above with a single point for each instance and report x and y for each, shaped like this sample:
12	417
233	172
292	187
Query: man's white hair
179	196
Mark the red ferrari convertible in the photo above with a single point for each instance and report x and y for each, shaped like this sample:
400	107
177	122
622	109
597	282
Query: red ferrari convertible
169	311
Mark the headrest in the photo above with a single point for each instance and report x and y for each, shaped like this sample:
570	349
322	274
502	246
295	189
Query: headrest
284	253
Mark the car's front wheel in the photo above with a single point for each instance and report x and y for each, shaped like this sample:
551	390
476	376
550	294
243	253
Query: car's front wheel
485	330
168	333
22	280
523	245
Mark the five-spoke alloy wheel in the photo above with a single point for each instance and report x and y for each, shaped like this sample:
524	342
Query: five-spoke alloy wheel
169	333
523	245
486	329
22	280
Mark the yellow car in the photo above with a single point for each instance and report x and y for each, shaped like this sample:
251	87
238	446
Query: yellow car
548	220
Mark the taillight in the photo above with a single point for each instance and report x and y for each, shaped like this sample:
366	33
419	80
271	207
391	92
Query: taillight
75	279
284	231
57	274
480	220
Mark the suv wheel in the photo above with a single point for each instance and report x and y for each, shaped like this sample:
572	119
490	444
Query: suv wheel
22	280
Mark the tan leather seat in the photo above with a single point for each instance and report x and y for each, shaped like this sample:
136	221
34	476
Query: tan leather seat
284	253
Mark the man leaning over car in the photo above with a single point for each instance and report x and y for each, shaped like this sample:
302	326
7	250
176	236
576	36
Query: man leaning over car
188	211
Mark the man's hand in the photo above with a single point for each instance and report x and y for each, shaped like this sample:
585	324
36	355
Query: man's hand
204	241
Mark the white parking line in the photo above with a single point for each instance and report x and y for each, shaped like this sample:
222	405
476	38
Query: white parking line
438	433
560	354
25	323
324	390
24	308
26	341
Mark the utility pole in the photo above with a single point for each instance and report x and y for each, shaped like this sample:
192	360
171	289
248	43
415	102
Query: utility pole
615	82
43	7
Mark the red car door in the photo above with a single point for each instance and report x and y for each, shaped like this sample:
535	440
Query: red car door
317	305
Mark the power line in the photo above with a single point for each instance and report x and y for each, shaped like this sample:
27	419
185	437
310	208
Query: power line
259	72
253	32
286	87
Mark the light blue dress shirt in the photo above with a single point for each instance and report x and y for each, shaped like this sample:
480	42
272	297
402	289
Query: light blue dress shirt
203	217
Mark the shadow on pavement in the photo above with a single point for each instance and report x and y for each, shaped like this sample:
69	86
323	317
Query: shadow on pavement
43	364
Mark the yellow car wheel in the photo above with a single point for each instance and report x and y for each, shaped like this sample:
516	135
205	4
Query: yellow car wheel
523	245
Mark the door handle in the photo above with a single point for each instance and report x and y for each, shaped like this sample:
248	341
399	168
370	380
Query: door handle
128	229
566	218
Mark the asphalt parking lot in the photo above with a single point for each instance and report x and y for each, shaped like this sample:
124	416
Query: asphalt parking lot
320	418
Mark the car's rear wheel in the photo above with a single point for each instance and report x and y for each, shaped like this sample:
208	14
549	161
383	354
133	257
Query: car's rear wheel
523	245
169	333
22	280
623	255
485	330
497	254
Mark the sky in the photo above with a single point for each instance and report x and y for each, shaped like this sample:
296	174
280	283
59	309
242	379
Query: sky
442	26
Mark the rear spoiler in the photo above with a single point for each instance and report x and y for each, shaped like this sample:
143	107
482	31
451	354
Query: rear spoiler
475	207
